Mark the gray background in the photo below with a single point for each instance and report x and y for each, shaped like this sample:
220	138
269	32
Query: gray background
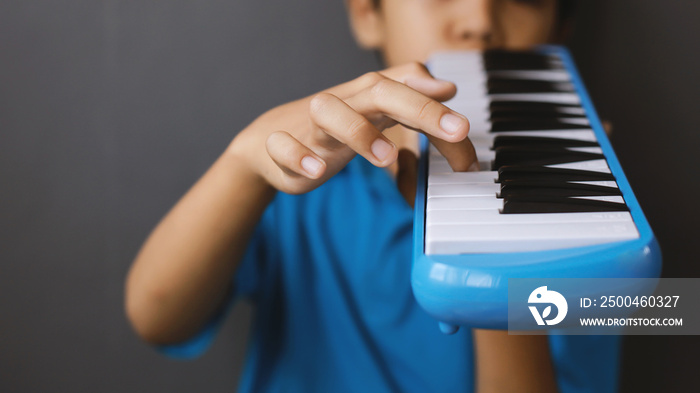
110	110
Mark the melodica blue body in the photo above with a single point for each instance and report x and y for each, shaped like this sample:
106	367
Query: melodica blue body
471	290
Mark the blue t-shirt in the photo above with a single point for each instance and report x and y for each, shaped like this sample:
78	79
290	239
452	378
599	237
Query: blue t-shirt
329	274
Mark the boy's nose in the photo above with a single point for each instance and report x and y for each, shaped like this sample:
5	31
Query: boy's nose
473	24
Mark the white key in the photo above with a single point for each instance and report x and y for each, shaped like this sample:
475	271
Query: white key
591	165
470	93
473	107
463	203
482	147
444	167
463	177
439	166
605	183
575	120
594	150
485	165
469	189
604	198
557	98
571	110
495	238
493	216
482	153
483	126
436	156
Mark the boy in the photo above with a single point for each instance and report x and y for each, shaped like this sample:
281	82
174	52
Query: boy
329	266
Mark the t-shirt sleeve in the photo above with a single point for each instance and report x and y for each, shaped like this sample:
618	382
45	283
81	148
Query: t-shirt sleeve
246	284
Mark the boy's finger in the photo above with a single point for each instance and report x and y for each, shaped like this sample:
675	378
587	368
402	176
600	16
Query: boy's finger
437	89
461	155
412	109
338	120
417	76
293	157
356	85
407	71
413	74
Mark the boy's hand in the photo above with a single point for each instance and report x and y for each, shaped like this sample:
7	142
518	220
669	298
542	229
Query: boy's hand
407	175
298	146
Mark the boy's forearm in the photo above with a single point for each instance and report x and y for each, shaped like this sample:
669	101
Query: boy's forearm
183	271
512	363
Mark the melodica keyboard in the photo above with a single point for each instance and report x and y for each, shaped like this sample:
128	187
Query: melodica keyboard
550	199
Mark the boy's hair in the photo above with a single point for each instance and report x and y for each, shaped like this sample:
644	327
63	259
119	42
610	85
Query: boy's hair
566	9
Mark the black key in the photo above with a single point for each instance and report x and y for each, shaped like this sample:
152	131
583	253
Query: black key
536	173
505	86
541	157
500	60
534	125
535	205
513	55
536	106
535	142
554	189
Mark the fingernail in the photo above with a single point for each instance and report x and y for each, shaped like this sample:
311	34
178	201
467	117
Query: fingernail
381	149
474	167
451	124
311	165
